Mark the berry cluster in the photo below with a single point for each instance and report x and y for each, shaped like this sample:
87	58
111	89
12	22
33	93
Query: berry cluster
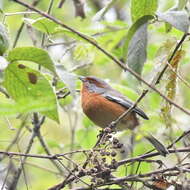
102	160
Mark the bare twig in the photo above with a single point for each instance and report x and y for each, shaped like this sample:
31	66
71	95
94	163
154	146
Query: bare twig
22	26
16	177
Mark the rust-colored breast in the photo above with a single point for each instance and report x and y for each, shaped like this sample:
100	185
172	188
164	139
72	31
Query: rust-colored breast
102	111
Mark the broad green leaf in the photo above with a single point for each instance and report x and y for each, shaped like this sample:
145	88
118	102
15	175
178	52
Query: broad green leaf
26	85
9	107
43	24
140	8
4	40
178	19
133	29
136	55
36	55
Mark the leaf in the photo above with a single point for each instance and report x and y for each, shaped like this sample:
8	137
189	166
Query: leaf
142	7
43	24
36	55
49	27
133	29
4	39
178	19
157	144
27	87
136	55
9	108
170	88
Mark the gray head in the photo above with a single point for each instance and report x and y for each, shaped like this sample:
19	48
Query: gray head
94	84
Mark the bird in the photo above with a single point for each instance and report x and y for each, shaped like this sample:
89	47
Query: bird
102	104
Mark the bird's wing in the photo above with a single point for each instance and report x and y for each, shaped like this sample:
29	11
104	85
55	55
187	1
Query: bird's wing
120	99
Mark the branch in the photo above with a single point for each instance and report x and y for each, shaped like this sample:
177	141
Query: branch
17	174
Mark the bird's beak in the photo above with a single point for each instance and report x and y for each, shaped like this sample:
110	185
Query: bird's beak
82	78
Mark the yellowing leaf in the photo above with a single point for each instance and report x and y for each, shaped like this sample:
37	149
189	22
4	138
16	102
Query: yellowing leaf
170	88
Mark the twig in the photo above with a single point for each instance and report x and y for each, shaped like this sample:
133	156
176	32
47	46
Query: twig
114	123
172	56
125	161
19	170
15	139
150	155
122	162
22	26
45	147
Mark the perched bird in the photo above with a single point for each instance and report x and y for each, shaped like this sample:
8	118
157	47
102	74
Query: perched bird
102	104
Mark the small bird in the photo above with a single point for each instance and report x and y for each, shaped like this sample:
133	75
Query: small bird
102	104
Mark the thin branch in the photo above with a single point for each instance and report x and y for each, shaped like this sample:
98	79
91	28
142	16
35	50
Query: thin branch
172	56
29	146
56	156
114	123
46	149
150	155
22	26
122	162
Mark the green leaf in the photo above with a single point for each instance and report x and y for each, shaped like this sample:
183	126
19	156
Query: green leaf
178	19
133	29
33	54
49	27
135	47
4	40
143	7
43	24
136	55
157	144
27	86
9	107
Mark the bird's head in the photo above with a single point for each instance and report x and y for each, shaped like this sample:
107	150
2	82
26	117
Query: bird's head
94	84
